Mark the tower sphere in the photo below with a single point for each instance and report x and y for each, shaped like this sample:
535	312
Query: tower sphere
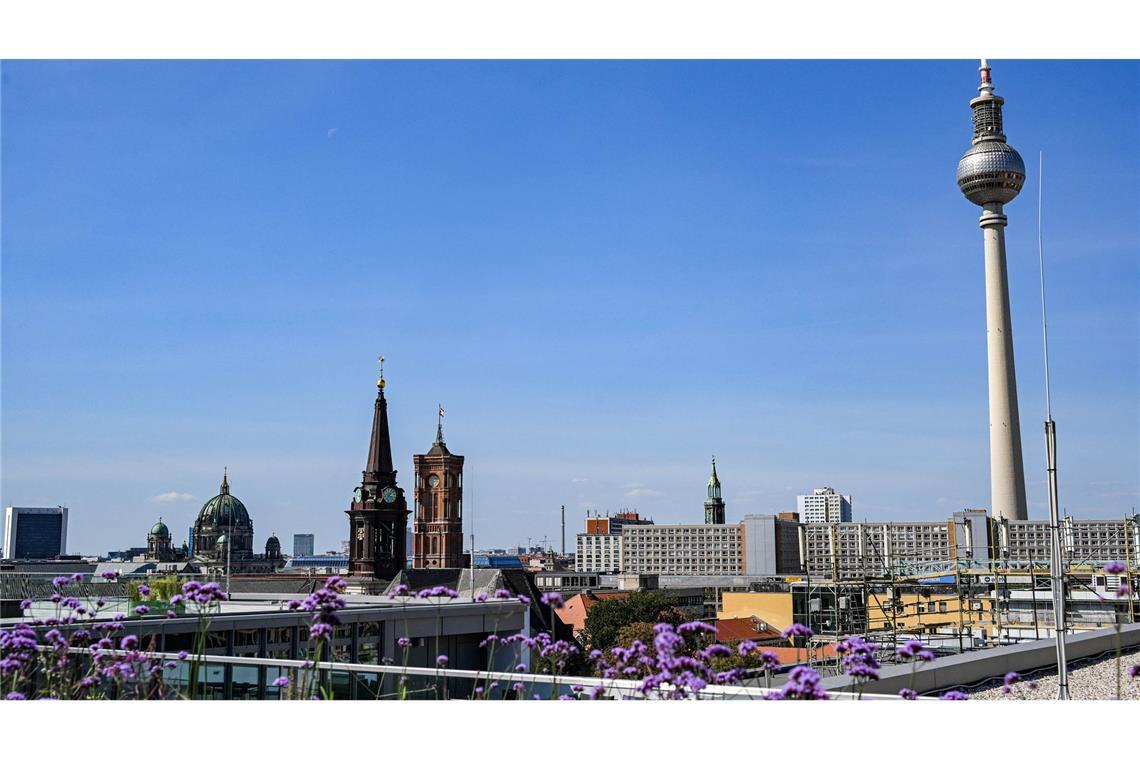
991	172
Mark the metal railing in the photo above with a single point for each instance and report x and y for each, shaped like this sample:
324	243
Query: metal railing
255	678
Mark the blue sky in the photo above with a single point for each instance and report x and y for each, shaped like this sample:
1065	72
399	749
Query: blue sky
605	271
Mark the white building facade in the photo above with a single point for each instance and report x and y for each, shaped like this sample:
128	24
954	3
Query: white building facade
823	505
682	549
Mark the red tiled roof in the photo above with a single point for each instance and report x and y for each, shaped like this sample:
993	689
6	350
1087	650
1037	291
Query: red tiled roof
743	629
576	608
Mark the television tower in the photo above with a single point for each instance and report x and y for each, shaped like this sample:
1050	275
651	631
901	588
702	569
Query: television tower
991	174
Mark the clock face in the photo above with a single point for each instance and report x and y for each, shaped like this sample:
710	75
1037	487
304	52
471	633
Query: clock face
433	481
389	494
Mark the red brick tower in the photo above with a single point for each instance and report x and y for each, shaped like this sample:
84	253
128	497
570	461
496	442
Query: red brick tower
437	533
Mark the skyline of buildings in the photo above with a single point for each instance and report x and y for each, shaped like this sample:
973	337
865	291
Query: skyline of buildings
650	482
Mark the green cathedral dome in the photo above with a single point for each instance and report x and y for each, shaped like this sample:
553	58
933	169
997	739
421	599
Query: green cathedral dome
223	511
159	529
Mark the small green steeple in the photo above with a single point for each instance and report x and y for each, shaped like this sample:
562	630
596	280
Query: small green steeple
714	504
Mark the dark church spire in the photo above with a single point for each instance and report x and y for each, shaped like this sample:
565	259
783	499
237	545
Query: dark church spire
380	447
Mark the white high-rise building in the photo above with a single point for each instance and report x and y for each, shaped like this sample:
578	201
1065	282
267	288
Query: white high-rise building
823	505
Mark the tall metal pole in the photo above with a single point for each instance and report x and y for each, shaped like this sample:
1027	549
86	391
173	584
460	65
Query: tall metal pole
1055	569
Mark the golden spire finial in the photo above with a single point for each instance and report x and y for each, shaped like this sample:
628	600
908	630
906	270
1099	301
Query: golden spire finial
225	479
380	382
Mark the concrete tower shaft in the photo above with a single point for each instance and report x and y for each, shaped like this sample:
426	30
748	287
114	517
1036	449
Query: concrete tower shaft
990	174
1007	472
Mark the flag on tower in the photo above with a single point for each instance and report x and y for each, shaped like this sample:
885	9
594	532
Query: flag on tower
441	411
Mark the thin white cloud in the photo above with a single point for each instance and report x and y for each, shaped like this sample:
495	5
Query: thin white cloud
635	493
169	497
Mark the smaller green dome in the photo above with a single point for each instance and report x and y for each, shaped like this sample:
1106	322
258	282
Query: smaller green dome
159	529
225	539
273	541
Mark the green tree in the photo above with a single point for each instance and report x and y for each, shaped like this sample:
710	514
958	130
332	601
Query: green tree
608	617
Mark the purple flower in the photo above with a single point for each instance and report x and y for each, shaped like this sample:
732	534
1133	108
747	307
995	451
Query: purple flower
15	696
502	593
481	596
768	661
1123	590
1134	672
142	609
130	642
171	614
320	630
60	581
552	598
183	655
25	604
441	661
282	681
1008	682
717	650
403	642
77	577
523	599
797	629
910	650
803	683
952	696
696	626
109	575
908	693
1115	567
859	658
144	590
400	590
336	583
489	640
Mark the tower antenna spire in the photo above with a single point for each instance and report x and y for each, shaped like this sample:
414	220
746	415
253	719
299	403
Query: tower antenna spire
380	383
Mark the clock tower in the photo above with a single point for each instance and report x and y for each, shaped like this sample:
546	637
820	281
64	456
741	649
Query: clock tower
438	528
378	516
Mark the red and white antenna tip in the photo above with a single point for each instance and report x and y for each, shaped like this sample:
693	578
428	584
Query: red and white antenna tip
987	85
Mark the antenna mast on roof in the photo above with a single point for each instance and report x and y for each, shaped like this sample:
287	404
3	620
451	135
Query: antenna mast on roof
1057	577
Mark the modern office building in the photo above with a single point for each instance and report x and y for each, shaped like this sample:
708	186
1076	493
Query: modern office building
598	550
682	549
823	505
771	545
303	544
35	532
969	540
848	551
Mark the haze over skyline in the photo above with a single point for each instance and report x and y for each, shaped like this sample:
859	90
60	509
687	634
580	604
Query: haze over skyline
604	271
